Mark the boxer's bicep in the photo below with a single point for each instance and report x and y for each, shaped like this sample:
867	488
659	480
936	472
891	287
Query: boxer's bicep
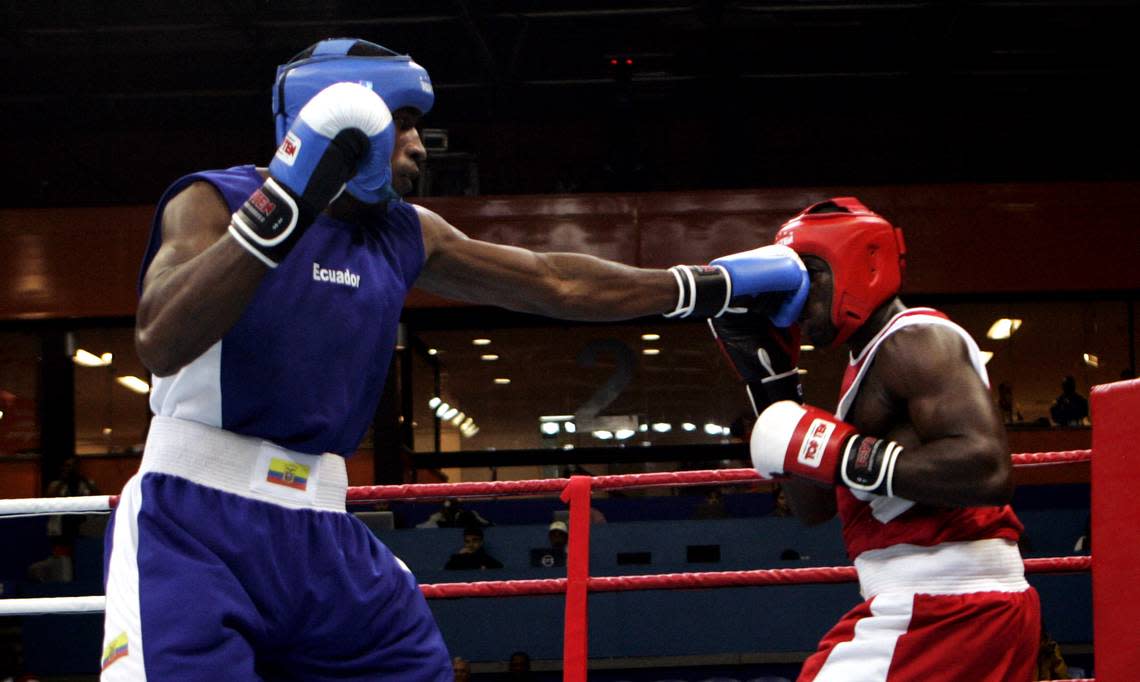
197	284
961	457
192	221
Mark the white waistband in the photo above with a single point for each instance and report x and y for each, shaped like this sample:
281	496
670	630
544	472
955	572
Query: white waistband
992	565
245	466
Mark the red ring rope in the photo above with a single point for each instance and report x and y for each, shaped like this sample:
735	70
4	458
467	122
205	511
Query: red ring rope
687	581
668	478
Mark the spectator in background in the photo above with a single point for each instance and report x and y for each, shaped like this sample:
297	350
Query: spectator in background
452	515
1070	408
1050	663
462	669
63	529
712	507
473	555
558	534
519	667
554	554
780	501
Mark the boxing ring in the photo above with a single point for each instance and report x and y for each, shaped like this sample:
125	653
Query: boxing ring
1115	572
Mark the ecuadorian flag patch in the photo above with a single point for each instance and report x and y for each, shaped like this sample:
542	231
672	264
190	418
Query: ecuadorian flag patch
115	650
287	473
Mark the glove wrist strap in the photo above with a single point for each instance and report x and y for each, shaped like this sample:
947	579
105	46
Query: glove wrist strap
868	465
703	290
269	223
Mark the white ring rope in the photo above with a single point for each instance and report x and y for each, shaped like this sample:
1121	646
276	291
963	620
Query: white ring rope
36	506
45	605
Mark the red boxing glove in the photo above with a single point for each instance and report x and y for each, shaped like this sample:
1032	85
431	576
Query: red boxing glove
807	442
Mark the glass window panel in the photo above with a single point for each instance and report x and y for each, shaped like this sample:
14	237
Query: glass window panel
689	381
109	417
19	380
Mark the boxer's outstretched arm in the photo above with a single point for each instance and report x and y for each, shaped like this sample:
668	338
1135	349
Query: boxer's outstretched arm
196	286
962	457
563	285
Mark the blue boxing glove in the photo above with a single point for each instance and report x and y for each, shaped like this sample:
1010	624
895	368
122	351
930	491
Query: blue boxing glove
344	132
734	284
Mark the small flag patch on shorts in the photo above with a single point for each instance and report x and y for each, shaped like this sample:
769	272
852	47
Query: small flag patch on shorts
287	473
115	650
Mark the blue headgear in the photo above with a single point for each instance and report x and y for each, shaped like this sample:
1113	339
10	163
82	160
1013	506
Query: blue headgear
395	77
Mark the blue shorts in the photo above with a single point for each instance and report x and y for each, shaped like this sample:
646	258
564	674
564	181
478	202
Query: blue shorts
230	558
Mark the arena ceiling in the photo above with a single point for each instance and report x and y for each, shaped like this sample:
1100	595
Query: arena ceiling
106	103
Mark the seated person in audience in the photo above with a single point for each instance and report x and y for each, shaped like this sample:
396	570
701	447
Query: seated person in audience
462	669
473	555
519	666
452	515
1050	663
780	501
1070	408
712	507
554	554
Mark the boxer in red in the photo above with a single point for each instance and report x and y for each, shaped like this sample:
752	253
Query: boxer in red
914	460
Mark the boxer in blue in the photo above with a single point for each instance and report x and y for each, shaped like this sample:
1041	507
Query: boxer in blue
270	299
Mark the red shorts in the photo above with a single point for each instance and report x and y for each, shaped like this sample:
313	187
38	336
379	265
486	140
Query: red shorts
902	634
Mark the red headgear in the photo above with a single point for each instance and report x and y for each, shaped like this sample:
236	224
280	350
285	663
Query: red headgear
866	255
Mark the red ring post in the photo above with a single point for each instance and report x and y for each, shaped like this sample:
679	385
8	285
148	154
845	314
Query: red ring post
575	638
1115	570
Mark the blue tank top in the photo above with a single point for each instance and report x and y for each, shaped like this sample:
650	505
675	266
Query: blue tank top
304	366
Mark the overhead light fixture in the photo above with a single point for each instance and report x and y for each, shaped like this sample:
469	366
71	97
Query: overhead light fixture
450	413
549	428
1	414
603	435
467	423
434	402
688	426
806	347
502	381
555	417
442	410
622	434
432	351
987	356
134	383
458	419
662	427
651	351
107	430
489	357
801	371
643	427
1090	359
1003	328
650	337
481	342
570	427
713	429
87	359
